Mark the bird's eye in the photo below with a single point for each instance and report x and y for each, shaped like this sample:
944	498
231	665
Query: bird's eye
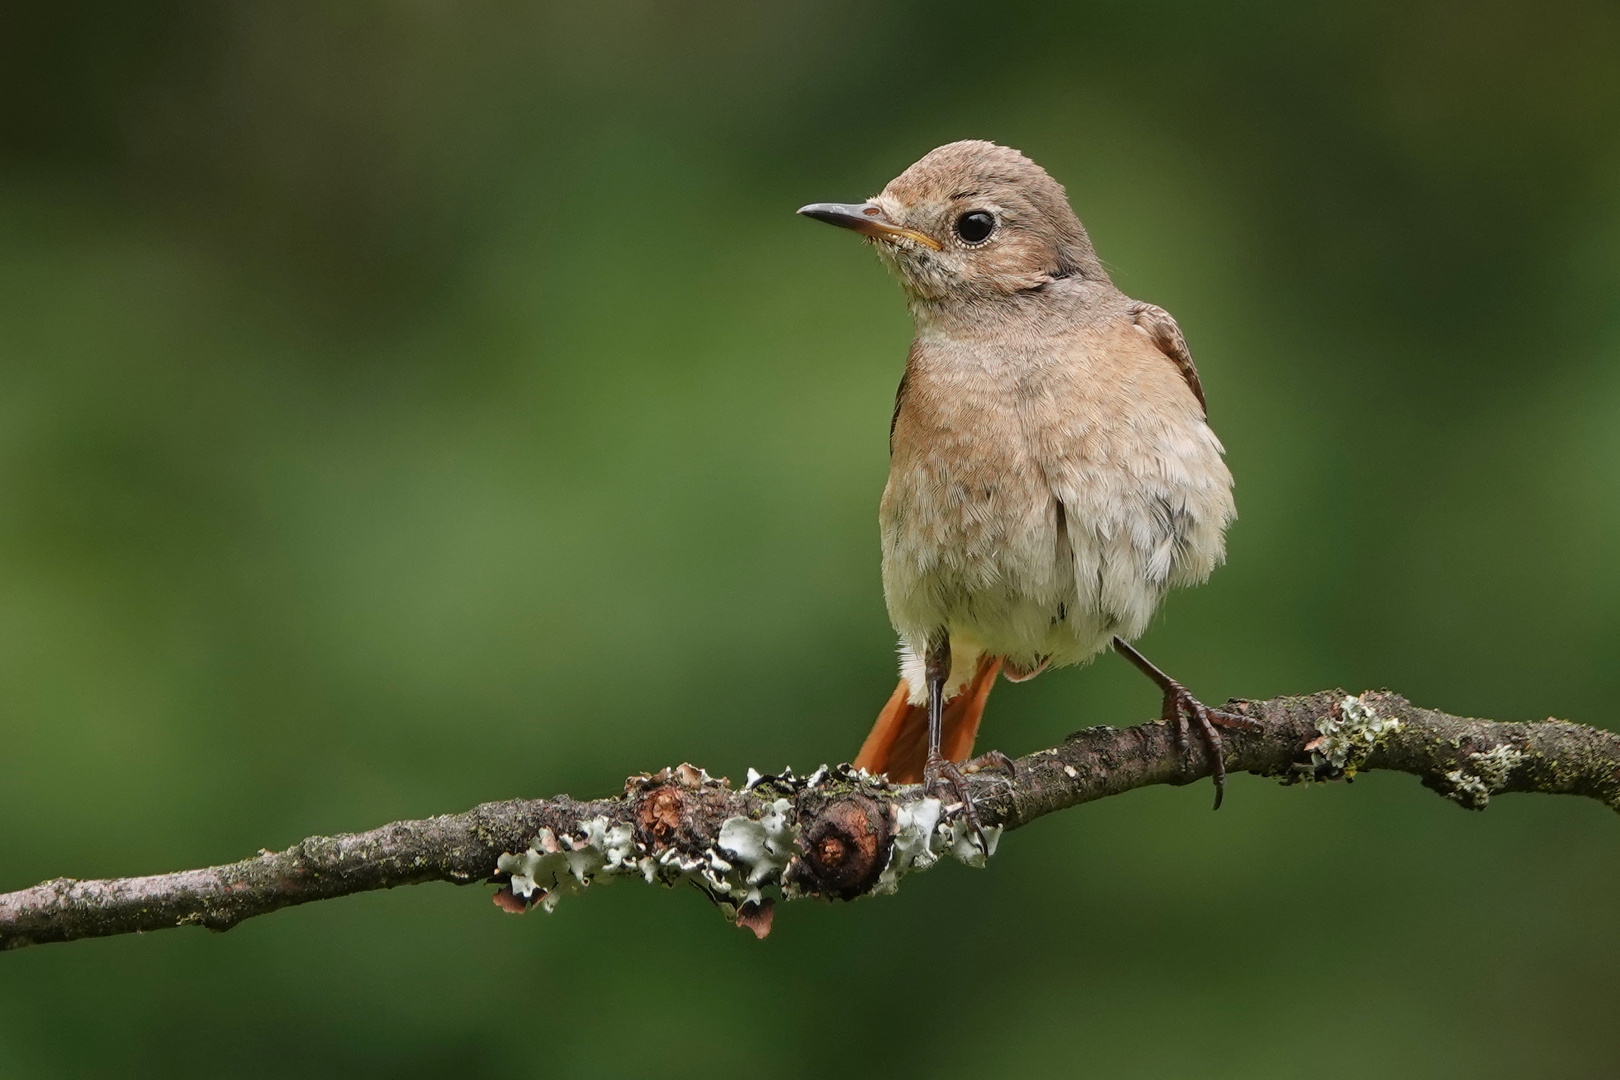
975	226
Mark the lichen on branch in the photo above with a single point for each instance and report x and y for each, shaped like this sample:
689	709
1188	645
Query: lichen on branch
835	834
838	834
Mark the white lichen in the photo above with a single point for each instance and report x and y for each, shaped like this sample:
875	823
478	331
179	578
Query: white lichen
1494	767
753	856
1491	770
617	843
761	850
1468	789
913	842
961	841
921	837
553	867
1345	741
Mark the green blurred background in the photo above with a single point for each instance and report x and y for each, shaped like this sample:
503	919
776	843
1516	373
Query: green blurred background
408	405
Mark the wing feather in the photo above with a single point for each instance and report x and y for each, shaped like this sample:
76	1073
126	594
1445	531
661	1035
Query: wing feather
1162	330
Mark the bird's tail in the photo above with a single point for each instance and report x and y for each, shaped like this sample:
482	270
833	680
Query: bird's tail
898	743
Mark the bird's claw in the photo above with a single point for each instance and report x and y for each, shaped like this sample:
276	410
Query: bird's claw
1183	710
990	761
944	781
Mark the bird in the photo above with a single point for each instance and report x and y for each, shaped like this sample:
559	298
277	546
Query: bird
1052	470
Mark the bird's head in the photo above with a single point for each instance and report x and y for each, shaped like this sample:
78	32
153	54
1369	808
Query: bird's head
971	221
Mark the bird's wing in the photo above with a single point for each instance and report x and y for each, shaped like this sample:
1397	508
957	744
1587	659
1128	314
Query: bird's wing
1162	330
900	391
899	399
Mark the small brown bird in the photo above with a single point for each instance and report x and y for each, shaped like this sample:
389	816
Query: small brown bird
1051	473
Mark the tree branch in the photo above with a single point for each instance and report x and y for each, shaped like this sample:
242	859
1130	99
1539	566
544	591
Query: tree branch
835	834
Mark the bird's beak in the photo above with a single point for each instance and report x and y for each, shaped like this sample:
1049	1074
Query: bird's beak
866	219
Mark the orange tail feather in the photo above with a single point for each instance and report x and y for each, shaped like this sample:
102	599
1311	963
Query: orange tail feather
898	742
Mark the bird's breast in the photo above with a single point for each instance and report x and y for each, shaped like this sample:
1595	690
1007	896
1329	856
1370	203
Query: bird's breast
1036	487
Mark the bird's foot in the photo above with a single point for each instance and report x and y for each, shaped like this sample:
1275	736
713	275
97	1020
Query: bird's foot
1185	711
990	761
944	781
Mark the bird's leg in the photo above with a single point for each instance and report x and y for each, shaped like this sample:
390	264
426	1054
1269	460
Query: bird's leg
941	778
1180	707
